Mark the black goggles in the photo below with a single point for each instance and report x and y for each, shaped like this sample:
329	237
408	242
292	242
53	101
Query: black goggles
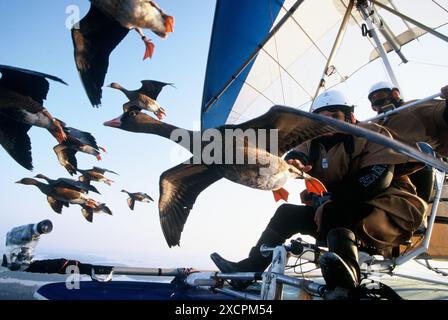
380	97
341	108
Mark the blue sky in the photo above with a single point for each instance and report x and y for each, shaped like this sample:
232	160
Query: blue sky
226	218
34	36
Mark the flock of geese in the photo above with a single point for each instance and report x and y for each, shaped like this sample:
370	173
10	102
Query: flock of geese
22	93
104	27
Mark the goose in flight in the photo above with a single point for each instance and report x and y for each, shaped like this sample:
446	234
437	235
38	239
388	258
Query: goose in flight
137	196
59	196
95	174
104	27
68	183
98	207
144	98
88	208
77	141
181	185
22	93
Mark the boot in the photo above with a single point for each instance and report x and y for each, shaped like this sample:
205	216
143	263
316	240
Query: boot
339	265
254	263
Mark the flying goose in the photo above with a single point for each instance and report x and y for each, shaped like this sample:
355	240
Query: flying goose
137	196
22	93
102	29
181	185
59	196
88	208
88	212
66	157
77	141
95	174
68	183
84	142
144	98
135	121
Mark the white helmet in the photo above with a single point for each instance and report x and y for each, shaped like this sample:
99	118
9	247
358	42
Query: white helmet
330	98
381	86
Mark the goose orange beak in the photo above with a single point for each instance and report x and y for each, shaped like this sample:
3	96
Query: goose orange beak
115	123
169	24
160	114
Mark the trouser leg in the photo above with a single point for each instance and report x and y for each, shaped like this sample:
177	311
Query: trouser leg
339	265
424	182
287	221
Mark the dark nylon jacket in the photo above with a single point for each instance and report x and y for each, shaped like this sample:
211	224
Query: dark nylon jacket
397	211
422	123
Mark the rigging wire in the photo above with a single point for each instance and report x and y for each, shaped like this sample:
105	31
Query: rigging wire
278	58
311	39
342	78
288	73
429	64
314	44
442	7
283	71
281	67
359	24
252	56
240	114
430	267
277	62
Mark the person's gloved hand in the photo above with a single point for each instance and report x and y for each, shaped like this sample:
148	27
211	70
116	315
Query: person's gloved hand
314	200
305	197
299	165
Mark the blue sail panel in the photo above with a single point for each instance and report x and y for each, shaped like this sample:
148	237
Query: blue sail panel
238	29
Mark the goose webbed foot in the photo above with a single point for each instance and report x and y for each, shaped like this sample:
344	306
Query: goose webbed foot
280	194
149	48
148	44
160	114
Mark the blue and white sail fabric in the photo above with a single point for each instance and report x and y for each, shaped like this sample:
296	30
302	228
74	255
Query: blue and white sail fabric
287	69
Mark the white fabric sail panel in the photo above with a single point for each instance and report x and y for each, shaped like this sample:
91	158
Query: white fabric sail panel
288	69
264	73
433	14
273	79
353	53
429	12
403	38
317	16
